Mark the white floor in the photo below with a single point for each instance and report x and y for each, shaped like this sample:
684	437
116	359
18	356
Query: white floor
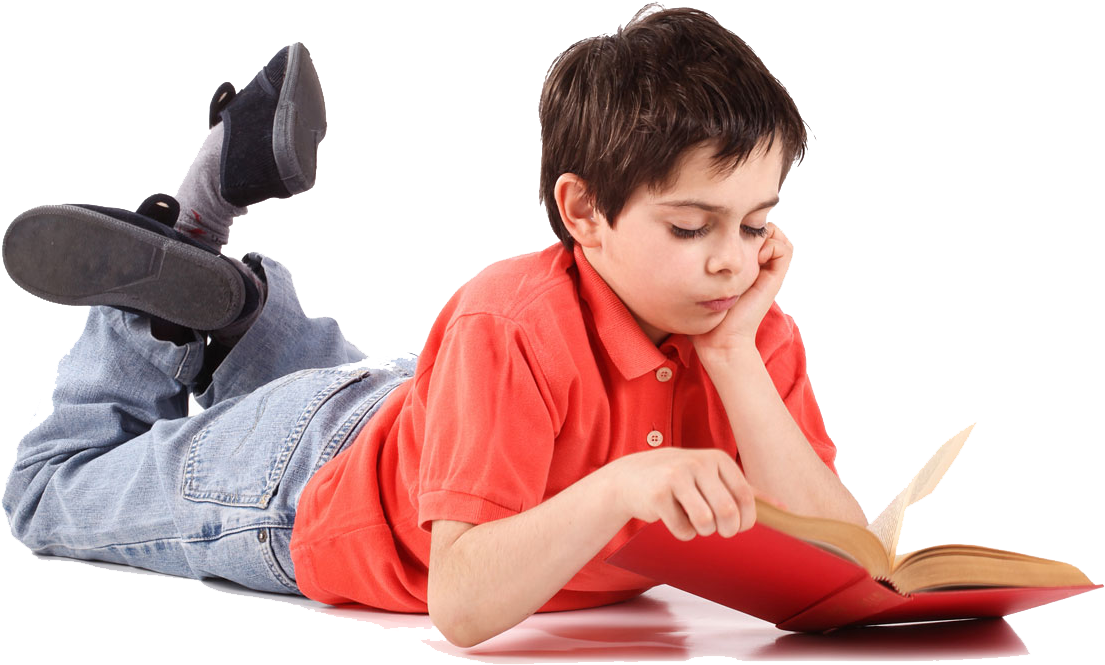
662	625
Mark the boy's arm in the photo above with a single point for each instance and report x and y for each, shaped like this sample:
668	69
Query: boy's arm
485	579
776	457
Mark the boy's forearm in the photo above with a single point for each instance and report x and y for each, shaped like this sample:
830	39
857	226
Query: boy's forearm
498	573
775	455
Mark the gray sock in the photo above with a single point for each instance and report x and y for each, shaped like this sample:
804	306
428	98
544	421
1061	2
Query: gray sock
204	215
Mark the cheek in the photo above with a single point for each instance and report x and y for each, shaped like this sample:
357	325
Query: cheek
685	283
657	262
664	277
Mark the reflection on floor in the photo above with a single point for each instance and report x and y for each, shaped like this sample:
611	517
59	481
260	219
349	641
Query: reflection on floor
664	625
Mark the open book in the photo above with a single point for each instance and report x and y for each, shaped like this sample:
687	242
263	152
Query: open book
809	573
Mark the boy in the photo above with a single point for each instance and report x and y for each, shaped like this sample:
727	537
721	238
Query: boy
562	397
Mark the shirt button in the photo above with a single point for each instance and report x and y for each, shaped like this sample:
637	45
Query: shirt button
663	374
654	438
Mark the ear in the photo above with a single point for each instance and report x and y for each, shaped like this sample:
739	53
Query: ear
577	210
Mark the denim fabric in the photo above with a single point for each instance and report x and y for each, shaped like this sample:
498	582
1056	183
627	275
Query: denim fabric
119	472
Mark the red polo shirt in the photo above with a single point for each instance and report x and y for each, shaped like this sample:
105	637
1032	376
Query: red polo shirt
534	375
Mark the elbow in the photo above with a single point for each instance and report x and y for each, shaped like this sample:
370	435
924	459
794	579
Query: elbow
450	604
453	613
860	518
468	622
458	628
462	639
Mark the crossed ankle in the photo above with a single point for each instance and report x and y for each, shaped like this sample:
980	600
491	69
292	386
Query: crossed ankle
256	292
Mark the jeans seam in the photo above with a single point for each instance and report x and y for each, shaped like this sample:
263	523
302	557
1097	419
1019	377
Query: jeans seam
252	526
41	546
119	323
183	362
352	424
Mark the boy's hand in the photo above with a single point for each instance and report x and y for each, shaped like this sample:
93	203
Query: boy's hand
694	491
740	324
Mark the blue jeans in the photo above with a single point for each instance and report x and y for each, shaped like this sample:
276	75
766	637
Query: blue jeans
120	472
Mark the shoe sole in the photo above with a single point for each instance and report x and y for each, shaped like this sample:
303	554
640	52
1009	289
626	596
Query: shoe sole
74	256
300	122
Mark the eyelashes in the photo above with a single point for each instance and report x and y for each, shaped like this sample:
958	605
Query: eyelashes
680	232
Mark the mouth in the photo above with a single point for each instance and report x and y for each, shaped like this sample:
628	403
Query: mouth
719	305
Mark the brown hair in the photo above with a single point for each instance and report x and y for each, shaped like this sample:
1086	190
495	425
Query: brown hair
621	110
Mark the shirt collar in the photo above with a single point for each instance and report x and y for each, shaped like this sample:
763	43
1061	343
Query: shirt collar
632	352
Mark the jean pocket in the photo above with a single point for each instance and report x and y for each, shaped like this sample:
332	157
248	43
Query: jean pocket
240	457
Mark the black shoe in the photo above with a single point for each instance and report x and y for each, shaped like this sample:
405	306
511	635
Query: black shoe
271	130
91	255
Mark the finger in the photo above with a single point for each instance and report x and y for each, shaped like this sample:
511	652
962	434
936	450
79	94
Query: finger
674	517
727	516
696	508
774	250
742	493
770	251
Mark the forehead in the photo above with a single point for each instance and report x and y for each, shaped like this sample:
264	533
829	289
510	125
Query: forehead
699	175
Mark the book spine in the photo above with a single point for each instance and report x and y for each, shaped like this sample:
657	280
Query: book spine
865	597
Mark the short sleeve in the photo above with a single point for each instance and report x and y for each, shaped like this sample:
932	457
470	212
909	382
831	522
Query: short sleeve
488	431
785	359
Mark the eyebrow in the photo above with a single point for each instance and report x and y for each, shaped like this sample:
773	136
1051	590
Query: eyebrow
708	207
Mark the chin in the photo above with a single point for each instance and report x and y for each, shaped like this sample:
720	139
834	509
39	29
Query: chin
692	329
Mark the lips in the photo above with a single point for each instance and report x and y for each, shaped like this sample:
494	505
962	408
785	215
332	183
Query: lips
719	305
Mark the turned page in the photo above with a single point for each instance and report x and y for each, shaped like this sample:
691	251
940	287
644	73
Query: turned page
888	525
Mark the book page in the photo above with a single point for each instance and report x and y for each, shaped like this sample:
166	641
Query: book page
888	525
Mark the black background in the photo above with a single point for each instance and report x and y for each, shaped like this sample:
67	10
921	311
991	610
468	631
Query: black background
940	276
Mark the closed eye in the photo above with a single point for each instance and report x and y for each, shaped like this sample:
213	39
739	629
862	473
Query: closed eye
680	232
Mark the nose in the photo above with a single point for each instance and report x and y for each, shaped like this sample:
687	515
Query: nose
727	254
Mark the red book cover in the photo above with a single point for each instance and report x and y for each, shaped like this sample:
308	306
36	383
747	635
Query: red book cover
802	587
798	586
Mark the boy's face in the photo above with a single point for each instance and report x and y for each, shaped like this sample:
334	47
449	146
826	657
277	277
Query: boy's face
679	258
